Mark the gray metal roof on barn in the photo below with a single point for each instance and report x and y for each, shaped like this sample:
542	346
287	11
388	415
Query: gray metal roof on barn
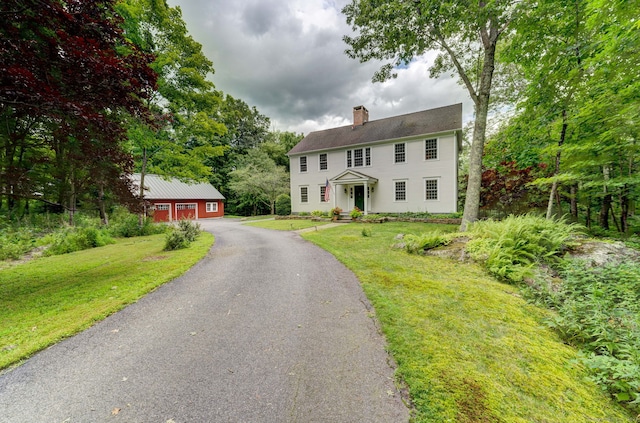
158	188
432	121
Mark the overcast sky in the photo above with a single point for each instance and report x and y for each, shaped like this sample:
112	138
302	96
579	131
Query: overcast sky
286	58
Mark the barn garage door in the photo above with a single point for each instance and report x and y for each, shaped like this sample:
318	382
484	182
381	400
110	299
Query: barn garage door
162	213
186	211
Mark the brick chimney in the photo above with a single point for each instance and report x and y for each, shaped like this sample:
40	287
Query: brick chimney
360	115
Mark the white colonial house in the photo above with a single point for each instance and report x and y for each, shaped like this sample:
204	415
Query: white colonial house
406	163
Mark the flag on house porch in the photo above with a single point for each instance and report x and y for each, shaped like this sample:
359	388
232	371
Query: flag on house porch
327	190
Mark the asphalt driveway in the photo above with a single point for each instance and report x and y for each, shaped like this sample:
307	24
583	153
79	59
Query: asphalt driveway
266	328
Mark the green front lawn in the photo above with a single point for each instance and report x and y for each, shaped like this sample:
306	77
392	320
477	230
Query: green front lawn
48	299
468	347
288	224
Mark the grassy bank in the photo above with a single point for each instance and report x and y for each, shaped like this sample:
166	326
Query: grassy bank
48	299
468	347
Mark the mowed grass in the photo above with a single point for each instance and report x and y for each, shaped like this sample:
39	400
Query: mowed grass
48	299
468	347
287	224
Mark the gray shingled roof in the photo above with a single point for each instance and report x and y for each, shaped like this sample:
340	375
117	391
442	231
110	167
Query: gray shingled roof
442	119
158	188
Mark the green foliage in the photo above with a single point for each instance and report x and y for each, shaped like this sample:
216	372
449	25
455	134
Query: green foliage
283	205
182	235
366	231
416	244
369	217
318	213
355	213
76	238
124	224
509	248
15	243
598	311
259	178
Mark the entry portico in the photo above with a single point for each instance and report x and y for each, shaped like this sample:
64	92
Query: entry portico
358	190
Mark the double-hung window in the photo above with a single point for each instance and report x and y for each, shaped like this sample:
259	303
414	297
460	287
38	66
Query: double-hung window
323	191
303	163
359	157
431	149
401	190
304	194
430	189
400	155
322	159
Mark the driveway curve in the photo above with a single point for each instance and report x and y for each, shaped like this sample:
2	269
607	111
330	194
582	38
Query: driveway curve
266	328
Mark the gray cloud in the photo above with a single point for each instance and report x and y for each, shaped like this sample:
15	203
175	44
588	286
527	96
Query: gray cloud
287	59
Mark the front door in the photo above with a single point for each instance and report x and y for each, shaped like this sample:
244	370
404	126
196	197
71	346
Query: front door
358	192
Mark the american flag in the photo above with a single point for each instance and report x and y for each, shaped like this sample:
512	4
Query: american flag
327	190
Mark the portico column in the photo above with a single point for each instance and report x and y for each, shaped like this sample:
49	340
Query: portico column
366	199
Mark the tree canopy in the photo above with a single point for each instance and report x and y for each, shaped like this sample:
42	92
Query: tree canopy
68	79
467	35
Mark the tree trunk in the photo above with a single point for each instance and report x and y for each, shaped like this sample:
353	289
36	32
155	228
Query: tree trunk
472	199
101	206
143	171
604	211
574	202
72	202
554	188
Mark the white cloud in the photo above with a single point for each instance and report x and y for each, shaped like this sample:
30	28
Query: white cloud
287	59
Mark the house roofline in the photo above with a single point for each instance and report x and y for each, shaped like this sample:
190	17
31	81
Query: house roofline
455	132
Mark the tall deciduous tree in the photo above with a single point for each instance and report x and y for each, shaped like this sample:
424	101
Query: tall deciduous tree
186	102
580	61
259	180
67	78
549	48
247	128
466	33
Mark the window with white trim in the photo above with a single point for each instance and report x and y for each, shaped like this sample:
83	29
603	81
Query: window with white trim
430	189
323	190
401	191
399	153
212	207
183	206
163	207
359	157
304	194
303	163
322	159
431	149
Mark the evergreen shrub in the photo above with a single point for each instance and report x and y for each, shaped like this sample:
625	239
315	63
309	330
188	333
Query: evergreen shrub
283	205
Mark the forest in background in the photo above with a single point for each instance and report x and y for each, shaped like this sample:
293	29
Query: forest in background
93	91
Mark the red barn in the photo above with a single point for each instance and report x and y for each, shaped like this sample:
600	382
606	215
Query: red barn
172	199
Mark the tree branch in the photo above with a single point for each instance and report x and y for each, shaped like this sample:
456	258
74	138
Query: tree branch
459	68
